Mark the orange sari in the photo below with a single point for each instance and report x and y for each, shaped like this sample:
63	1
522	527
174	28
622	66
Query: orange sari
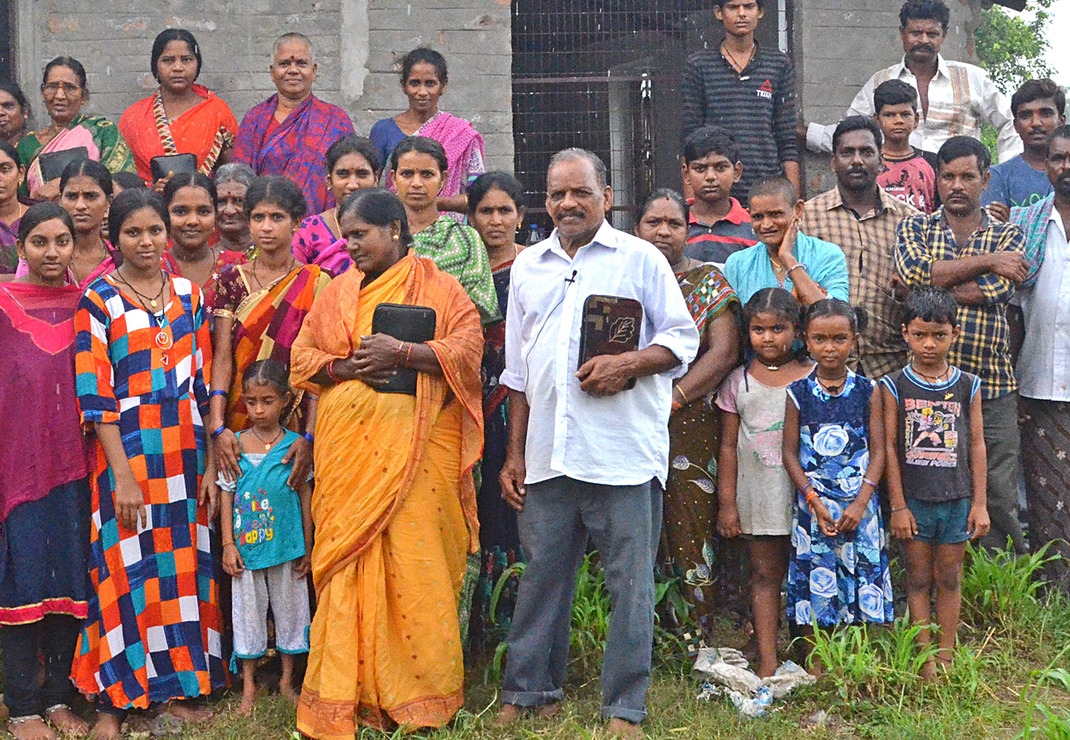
205	130
395	511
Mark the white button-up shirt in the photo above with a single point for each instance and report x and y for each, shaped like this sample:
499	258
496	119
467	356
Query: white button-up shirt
1044	364
618	440
961	97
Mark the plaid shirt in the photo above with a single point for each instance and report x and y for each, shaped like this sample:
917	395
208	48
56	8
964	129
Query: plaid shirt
868	241
983	347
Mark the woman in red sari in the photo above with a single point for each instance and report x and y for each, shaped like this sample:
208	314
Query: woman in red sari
181	117
191	203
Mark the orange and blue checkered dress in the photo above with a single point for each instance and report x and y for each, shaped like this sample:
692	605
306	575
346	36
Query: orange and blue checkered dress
154	630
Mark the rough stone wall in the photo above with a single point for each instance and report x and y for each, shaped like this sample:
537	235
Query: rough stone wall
842	43
356	42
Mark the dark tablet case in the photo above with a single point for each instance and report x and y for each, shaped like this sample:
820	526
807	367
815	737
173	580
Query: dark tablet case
172	164
53	163
611	326
407	324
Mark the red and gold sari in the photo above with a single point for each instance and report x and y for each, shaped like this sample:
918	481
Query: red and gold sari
205	130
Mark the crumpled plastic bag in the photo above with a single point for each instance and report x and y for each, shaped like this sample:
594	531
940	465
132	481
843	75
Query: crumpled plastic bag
725	673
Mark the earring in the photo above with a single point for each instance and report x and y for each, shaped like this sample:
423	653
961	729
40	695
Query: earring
396	237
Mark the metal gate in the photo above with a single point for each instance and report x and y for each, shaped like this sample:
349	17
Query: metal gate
603	74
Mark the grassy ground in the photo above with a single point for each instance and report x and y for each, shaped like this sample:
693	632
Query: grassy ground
1010	674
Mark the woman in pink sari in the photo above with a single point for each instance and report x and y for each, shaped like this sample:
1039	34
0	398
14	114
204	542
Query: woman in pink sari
424	79
64	91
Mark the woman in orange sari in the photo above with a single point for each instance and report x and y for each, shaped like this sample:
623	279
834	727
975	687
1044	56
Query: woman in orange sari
181	117
394	504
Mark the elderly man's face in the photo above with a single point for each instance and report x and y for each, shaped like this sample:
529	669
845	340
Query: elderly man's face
1058	166
293	70
922	40
575	201
857	160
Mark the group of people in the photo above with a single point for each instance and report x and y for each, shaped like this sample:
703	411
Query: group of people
237	377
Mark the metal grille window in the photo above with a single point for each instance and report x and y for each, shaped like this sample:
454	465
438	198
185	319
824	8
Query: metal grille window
603	74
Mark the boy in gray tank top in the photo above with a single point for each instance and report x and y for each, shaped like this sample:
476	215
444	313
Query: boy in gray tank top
936	472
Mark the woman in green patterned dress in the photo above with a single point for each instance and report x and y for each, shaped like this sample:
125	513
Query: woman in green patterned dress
64	91
418	167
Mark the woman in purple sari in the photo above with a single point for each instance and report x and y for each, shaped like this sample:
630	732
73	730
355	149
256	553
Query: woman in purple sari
424	79
288	134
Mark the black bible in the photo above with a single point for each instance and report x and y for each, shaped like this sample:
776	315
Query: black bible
610	327
405	323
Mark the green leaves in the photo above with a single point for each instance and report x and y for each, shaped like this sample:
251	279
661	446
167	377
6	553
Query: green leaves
1012	49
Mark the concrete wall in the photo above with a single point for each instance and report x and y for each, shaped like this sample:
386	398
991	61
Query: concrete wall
357	44
839	44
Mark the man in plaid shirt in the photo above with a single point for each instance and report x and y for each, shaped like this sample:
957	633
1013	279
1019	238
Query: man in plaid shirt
862	218
981	262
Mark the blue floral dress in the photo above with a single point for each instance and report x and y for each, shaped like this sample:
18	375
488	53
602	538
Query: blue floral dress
845	579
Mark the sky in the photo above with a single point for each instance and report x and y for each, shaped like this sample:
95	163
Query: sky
1059	54
1058	30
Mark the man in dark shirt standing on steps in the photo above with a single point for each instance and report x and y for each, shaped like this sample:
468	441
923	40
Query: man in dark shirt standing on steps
747	91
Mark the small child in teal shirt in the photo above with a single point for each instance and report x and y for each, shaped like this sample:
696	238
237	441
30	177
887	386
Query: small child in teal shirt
267	534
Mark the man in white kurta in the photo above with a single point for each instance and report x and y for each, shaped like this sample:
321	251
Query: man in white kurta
587	456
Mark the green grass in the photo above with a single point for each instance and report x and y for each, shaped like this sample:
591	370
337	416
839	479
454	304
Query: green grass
1010	679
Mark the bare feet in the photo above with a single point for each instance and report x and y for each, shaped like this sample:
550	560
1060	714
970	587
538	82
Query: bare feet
928	671
766	670
547	711
108	727
509	714
286	689
67	722
30	728
187	712
248	699
624	729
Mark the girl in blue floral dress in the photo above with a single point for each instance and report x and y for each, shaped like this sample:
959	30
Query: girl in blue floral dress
838	572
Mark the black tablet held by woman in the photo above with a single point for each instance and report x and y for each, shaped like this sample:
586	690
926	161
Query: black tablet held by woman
406	324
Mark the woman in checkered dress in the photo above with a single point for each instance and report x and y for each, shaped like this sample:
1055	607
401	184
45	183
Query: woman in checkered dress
154	628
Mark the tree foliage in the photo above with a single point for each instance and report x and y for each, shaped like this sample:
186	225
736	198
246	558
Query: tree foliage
1011	47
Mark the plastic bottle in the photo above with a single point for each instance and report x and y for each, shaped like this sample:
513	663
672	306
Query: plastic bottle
534	236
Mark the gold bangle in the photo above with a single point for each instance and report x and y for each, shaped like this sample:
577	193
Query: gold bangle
682	394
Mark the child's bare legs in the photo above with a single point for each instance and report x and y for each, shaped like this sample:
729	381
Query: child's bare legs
769	563
920	564
813	663
947	573
286	681
248	687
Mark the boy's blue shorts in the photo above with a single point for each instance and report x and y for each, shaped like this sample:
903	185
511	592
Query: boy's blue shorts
941	522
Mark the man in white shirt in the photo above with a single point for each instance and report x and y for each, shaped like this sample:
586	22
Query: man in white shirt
586	455
956	98
1044	364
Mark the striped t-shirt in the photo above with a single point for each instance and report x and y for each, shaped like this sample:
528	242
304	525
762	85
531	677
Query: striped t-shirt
757	107
714	242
